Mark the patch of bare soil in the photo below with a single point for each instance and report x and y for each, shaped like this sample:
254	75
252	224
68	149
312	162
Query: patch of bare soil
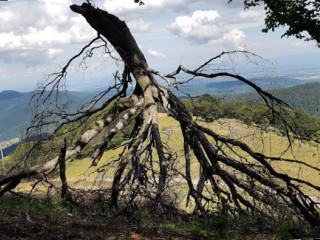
18	227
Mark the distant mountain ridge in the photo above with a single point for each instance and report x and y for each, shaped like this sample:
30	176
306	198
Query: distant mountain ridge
264	83
9	94
198	87
14	117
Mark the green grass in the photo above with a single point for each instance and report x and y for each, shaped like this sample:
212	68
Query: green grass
51	218
19	205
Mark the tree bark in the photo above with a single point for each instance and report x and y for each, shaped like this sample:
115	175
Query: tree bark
62	166
119	35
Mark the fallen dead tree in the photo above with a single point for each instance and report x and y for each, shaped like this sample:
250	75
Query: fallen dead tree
249	186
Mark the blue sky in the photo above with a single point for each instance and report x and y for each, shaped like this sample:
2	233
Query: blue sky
38	36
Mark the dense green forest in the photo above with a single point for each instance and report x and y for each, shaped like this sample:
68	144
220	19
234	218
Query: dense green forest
297	120
304	96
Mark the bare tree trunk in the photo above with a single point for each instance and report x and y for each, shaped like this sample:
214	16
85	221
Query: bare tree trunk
2	159
62	166
118	34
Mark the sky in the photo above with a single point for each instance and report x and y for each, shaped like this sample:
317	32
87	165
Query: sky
37	37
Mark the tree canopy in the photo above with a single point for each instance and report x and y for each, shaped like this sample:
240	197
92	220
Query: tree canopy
298	16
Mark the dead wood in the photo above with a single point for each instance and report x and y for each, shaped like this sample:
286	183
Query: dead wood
244	189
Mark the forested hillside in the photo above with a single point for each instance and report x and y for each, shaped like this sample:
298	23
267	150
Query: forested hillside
226	85
9	94
13	115
210	109
304	96
16	113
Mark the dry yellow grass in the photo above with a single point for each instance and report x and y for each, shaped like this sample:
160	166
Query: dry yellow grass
268	143
80	174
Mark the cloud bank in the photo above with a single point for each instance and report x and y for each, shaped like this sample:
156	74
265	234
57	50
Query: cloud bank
126	7
40	32
208	27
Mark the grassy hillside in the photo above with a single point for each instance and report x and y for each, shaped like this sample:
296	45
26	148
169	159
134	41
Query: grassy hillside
80	174
269	143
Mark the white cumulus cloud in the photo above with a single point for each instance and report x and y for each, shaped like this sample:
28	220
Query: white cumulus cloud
139	25
128	7
52	52
154	53
36	26
209	27
247	19
200	27
234	38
